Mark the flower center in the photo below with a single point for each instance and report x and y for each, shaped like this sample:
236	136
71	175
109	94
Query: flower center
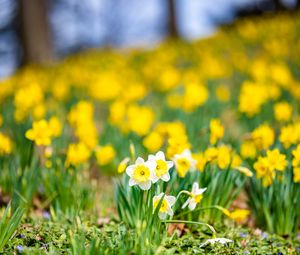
161	168
197	198
141	173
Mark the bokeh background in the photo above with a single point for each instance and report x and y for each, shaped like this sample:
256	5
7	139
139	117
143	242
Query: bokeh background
41	31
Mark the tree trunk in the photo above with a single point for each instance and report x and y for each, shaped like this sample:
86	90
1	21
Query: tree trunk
35	32
172	22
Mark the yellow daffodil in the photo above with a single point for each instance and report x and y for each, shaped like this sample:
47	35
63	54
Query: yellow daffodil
105	154
77	154
5	144
40	133
216	131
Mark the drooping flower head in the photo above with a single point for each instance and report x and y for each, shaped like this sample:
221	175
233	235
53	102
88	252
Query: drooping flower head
195	197
165	206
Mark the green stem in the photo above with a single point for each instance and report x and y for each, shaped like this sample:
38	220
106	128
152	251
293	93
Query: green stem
201	209
192	222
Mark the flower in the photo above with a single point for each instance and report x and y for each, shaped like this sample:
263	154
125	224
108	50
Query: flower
264	171
153	141
222	93
238	215
123	164
105	154
77	153
195	197
246	171
296	155
201	161
216	131
288	136
224	157
5	144
296	172
55	126
141	173
216	240
165	206
276	160
248	150
283	111
184	162
263	137
40	133
162	167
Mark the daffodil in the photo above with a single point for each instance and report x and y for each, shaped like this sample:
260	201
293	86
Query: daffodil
105	154
77	154
216	131
162	167
40	133
184	162
141	173
5	144
165	206
276	160
195	197
123	164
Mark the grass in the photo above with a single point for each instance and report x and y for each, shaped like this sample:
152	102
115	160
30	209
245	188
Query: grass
44	236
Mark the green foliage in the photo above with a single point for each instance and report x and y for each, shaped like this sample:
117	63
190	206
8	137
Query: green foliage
9	224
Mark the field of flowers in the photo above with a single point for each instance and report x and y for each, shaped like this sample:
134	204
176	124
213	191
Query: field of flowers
190	148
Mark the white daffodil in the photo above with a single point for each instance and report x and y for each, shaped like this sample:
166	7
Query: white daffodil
184	162
141	173
216	240
195	196
162	167
165	207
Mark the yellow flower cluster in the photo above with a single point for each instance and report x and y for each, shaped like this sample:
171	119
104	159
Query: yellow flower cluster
81	118
265	166
43	131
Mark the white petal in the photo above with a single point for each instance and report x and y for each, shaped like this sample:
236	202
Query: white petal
170	164
192	205
130	170
162	216
155	178
159	196
186	203
160	155
171	200
151	165
151	157
170	211
187	153
139	160
200	191
132	182
195	187
145	185
166	177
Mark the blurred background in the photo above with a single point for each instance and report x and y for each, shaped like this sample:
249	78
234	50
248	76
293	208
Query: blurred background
42	31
